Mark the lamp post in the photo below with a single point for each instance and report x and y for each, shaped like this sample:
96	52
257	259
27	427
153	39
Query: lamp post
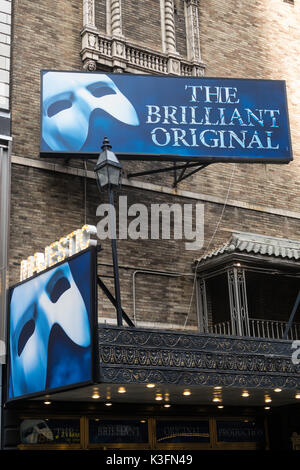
108	171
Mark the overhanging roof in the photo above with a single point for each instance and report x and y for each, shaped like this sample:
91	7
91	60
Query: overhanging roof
256	244
173	361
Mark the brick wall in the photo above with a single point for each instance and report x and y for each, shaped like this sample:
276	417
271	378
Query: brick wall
46	206
238	39
142	25
45	37
180	28
100	15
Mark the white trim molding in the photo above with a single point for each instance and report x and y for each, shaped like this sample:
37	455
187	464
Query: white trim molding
89	13
192	30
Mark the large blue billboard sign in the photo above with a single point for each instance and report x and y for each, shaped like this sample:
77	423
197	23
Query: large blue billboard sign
51	324
159	118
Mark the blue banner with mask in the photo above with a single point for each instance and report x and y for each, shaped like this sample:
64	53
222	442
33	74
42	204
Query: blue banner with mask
50	329
164	117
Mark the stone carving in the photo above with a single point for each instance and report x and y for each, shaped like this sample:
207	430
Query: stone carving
198	71
176	66
118	70
193	30
105	48
170	26
146	60
90	66
88	13
92	40
119	48
116	18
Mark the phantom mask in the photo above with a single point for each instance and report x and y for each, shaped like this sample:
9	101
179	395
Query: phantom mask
35	431
49	332
69	103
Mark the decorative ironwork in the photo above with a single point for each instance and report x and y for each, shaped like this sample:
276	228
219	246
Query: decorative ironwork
202	306
269	329
195	360
238	301
192	341
163	357
130	375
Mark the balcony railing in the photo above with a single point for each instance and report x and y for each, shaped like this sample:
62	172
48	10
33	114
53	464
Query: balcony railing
146	60
269	329
101	49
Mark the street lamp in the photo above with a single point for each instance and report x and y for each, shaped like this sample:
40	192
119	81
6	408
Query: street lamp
108	171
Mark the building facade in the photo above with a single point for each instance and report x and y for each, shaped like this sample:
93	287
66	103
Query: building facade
209	322
5	145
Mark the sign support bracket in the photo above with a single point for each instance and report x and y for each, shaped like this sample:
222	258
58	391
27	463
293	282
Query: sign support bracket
289	324
177	178
113	301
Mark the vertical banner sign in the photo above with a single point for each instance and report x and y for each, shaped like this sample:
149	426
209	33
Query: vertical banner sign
164	117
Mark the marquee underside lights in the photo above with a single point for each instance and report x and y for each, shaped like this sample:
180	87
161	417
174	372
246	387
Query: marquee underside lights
58	251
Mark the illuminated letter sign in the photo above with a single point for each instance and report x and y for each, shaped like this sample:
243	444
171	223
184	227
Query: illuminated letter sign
159	118
65	247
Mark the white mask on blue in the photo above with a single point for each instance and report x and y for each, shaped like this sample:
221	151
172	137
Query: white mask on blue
34	430
51	299
68	104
